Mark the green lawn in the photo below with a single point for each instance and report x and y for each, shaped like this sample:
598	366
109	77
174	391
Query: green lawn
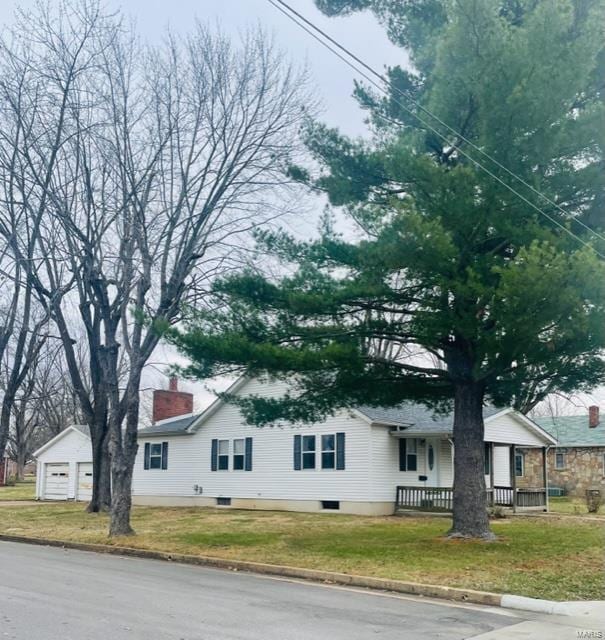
575	506
558	559
25	490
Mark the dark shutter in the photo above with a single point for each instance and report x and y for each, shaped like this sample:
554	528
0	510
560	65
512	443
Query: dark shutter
147	455
164	455
214	455
248	458
402	455
297	452
486	459
340	451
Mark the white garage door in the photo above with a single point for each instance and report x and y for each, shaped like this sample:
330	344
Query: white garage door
56	484
84	481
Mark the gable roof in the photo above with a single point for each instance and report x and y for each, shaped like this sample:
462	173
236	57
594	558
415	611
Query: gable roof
573	431
171	427
81	429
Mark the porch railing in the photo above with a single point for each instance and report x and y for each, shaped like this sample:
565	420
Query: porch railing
441	498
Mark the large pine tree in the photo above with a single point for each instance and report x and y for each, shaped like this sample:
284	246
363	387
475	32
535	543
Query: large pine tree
447	287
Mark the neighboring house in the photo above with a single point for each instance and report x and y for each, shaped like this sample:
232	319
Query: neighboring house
64	470
365	461
577	461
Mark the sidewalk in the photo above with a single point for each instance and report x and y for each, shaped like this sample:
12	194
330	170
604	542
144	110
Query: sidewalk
550	627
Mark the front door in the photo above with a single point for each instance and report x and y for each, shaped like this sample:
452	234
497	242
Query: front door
431	462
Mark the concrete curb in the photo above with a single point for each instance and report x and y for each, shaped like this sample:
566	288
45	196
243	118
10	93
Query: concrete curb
326	577
582	608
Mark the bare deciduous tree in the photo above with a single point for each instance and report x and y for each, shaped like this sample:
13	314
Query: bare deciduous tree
142	176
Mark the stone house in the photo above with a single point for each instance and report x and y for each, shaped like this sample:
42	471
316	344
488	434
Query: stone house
576	463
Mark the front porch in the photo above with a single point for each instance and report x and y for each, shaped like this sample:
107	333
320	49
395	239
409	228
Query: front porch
505	475
440	499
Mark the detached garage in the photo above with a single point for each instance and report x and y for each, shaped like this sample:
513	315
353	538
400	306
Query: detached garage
64	470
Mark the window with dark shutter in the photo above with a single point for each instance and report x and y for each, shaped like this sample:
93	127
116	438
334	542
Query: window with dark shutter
408	454
340	451
248	463
402	454
297	452
214	455
164	455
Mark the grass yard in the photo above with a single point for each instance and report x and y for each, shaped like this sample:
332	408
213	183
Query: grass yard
557	559
574	506
25	490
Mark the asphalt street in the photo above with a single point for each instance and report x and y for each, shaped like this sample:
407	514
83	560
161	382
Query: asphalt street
55	594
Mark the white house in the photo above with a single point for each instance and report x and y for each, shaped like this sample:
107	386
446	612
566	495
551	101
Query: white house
365	461
64	470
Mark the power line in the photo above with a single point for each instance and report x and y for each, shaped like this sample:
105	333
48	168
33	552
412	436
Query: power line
302	22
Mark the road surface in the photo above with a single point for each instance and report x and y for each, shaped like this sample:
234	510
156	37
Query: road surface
55	594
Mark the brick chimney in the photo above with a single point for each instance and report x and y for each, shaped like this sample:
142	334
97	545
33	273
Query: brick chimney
593	416
170	403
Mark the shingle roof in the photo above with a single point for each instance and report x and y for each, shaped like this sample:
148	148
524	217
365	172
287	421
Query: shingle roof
177	426
573	430
410	414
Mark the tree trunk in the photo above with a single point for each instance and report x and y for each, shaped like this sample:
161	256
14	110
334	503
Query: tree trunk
101	470
121	476
21	462
470	518
124	447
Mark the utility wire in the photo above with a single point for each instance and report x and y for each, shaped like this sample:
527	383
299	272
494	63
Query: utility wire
301	21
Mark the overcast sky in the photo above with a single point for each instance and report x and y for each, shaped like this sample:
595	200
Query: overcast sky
333	79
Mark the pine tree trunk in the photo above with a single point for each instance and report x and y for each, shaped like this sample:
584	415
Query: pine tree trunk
101	471
470	518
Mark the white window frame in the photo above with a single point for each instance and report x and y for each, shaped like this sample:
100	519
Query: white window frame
308	452
222	455
155	456
564	466
239	456
519	454
328	451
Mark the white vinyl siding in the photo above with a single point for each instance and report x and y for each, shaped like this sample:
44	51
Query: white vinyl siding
385	465
508	429
272	475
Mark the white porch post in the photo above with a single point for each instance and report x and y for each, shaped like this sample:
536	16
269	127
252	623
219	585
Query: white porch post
513	475
545	475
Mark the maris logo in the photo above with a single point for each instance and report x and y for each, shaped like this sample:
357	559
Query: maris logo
587	633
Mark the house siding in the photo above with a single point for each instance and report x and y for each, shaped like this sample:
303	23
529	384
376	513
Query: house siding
507	429
272	476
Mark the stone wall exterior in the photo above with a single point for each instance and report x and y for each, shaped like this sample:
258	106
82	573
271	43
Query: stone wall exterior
583	470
